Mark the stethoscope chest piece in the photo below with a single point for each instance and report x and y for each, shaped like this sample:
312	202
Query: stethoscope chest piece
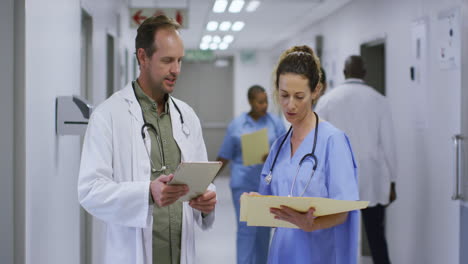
185	129
268	178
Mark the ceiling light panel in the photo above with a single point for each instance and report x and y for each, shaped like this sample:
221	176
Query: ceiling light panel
220	6
223	46
216	39
212	26
225	26
206	39
236	6
252	6
204	46
237	26
228	39
213	46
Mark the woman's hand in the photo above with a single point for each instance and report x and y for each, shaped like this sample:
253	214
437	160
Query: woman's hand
251	193
305	221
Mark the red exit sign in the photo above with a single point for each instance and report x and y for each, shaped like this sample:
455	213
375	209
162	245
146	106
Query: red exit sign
138	15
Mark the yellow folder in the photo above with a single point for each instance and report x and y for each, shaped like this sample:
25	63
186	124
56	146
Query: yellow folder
255	209
254	147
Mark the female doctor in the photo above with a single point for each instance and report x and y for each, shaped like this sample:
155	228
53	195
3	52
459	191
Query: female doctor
312	159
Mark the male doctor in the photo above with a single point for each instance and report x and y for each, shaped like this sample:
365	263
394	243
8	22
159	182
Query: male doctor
134	142
365	116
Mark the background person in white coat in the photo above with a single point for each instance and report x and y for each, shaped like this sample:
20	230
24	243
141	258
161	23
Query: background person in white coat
134	141
364	115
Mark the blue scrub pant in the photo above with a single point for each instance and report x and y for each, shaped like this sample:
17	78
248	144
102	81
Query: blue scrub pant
252	242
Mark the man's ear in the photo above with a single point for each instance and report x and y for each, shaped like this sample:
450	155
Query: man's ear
141	55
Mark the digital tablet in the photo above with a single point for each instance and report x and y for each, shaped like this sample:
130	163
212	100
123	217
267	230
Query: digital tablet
197	175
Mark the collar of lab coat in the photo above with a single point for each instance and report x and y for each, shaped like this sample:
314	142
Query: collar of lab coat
135	109
353	80
133	106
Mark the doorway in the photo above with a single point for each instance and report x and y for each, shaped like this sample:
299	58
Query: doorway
110	65
86	92
373	54
205	86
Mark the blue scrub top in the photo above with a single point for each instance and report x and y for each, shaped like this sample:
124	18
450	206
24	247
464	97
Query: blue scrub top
335	178
247	177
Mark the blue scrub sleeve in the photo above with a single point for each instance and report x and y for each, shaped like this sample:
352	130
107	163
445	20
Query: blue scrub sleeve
341	169
227	148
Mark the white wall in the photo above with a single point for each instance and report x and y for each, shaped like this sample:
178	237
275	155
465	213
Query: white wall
6	131
423	222
53	31
257	71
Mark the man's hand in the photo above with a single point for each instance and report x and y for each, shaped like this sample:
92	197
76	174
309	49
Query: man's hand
393	194
163	194
205	202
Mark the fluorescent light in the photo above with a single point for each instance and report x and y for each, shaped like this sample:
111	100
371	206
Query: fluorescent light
206	39
223	45
212	26
220	6
204	46
213	46
236	6
216	39
228	39
224	26
252	6
237	26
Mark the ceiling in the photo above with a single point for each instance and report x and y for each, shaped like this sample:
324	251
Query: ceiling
273	22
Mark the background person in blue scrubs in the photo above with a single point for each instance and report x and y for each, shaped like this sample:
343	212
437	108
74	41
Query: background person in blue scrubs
319	240
252	242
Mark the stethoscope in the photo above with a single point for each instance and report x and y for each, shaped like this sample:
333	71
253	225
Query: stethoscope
148	126
269	177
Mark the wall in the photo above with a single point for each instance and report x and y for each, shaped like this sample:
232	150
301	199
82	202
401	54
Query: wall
423	223
247	73
6	130
51	164
205	95
19	133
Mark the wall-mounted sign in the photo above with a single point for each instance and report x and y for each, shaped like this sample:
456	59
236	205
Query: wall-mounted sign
199	55
138	15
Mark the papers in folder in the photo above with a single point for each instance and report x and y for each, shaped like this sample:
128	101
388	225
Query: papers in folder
255	209
254	147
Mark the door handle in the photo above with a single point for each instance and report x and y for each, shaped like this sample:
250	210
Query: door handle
457	139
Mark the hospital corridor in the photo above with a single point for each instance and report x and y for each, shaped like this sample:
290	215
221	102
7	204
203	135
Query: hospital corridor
234	131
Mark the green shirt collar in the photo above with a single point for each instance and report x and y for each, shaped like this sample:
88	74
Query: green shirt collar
147	103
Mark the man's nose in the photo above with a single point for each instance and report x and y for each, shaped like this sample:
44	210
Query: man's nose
175	67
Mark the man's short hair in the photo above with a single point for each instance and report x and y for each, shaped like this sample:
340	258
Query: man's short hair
253	90
147	30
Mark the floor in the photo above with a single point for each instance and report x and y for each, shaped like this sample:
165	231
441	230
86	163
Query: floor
218	245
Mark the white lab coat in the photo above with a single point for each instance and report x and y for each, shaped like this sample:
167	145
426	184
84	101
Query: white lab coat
365	116
114	178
